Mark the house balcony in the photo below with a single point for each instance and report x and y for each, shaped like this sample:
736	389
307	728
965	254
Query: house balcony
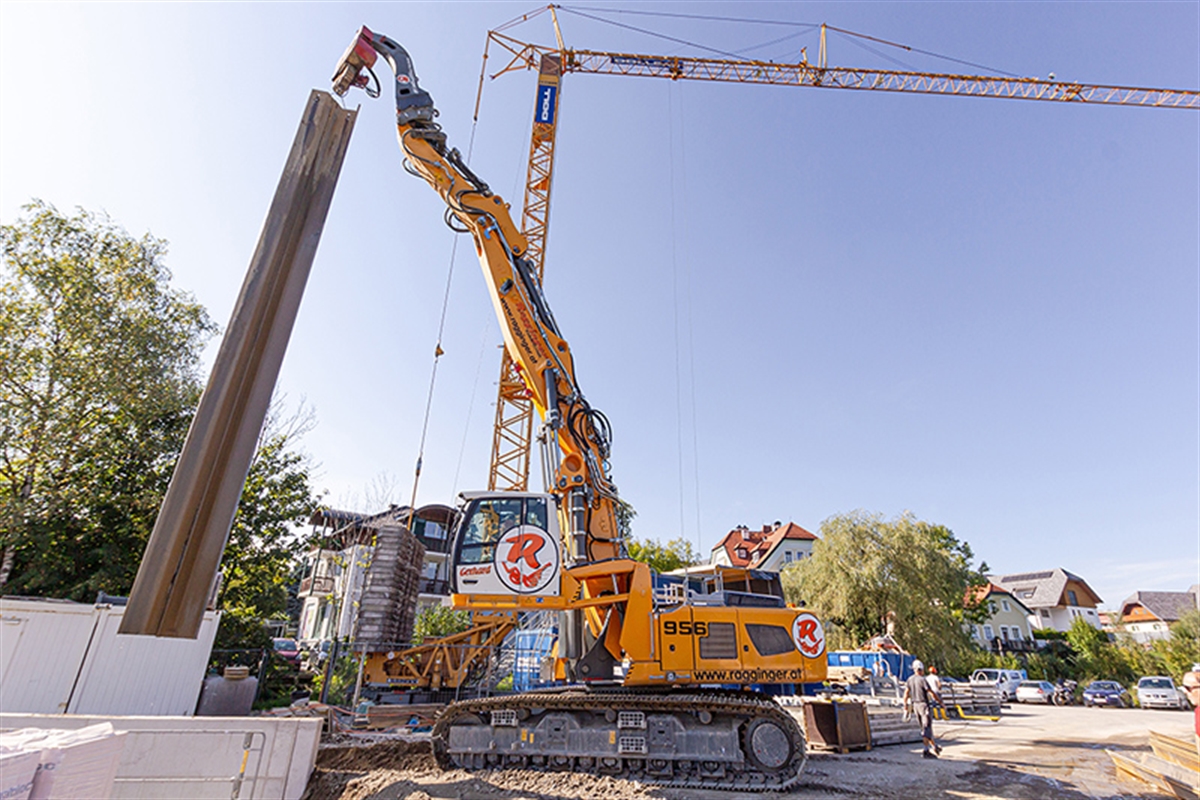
435	545
1012	646
434	586
317	586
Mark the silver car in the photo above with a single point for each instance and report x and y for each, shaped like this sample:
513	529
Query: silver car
1156	691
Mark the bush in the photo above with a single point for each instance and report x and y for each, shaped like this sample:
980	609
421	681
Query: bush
438	621
1049	635
342	679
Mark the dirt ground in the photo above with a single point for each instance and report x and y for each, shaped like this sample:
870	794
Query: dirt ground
1032	752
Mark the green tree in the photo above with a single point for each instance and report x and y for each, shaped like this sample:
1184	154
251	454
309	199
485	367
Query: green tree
257	566
674	554
867	573
1182	649
439	620
98	381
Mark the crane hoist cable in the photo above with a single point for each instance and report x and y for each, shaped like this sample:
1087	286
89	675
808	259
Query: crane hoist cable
438	352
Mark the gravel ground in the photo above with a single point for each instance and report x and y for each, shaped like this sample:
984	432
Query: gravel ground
1034	752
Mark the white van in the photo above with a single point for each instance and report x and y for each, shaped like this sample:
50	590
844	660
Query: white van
1005	680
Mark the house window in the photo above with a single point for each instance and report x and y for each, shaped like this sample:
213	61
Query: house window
1045	613
1016	633
987	632
1004	632
992	607
787	557
742	553
1071	598
1004	605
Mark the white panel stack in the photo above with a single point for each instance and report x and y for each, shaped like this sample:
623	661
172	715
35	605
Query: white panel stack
16	773
70	764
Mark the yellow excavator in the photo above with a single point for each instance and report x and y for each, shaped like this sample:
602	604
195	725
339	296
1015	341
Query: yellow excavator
652	674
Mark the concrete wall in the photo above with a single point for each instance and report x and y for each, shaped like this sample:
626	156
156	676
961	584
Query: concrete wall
244	758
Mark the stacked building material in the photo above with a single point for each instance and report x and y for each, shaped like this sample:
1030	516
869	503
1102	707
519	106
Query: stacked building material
969	701
387	608
66	764
889	726
1173	767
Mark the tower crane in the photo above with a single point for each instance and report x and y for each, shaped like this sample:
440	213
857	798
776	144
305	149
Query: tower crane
513	428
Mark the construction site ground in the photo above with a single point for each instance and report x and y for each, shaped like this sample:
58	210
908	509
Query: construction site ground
1032	752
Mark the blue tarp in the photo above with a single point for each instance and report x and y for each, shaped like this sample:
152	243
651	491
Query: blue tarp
530	647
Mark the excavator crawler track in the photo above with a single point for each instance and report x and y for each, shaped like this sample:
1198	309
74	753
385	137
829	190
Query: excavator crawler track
709	740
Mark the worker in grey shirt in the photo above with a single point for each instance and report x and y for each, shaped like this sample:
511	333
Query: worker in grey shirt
919	696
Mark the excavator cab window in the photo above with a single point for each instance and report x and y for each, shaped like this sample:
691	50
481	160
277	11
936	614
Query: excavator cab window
489	519
492	517
535	512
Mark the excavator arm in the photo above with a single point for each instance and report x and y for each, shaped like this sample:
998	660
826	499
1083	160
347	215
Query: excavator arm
579	444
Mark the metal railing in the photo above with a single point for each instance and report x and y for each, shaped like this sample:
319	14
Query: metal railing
242	777
1012	645
435	545
434	586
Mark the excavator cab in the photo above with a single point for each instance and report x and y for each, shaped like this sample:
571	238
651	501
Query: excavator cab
508	543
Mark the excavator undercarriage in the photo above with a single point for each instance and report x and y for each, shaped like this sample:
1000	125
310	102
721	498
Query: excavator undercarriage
703	739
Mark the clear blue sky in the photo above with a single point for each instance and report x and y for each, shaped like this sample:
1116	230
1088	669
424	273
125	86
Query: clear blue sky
791	303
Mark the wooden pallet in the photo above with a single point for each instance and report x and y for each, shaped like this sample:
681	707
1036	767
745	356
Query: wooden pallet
1178	751
1169	777
396	715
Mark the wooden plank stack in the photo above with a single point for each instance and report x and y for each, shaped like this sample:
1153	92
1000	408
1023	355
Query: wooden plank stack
1173	767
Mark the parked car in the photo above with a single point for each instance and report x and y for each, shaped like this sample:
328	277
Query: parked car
1035	692
1106	693
288	650
1005	680
1157	691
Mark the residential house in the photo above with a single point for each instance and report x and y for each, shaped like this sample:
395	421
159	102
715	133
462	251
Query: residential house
771	549
1007	627
370	575
1054	597
1148	615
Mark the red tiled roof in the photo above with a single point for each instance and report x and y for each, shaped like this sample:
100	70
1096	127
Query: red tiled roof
977	594
758	544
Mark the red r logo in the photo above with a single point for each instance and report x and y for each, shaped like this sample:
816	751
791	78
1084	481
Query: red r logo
808	635
527	560
525	545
